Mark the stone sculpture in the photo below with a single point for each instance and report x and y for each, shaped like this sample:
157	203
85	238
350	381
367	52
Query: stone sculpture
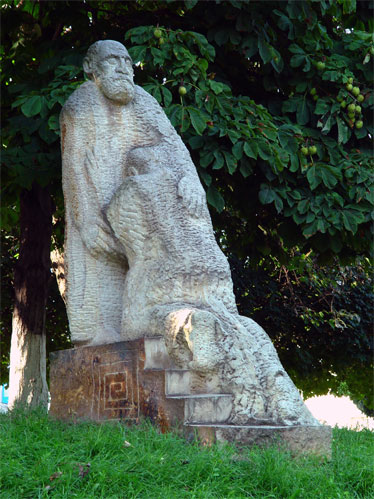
141	257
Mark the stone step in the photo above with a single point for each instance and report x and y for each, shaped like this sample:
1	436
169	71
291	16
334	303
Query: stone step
156	354
186	382
299	440
177	382
206	407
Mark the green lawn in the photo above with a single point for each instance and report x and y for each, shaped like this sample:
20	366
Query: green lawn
40	457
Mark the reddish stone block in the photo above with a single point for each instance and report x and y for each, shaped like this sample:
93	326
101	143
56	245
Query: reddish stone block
108	382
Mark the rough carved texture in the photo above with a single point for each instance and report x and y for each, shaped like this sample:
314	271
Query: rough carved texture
141	257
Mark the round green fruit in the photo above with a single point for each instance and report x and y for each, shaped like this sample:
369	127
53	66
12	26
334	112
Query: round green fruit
351	107
356	91
161	41
360	98
320	65
157	33
305	151
312	150
182	90
349	87
350	80
358	109
343	104
359	124
339	98
313	91
351	115
315	97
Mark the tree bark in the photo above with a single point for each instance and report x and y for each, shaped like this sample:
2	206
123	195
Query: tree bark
27	379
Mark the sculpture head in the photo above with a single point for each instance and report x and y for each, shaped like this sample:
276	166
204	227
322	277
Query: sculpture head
109	65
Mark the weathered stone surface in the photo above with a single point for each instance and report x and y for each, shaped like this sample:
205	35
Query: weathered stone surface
207	408
109	382
142	260
314	440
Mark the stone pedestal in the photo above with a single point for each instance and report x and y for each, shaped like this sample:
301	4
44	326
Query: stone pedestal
133	379
112	382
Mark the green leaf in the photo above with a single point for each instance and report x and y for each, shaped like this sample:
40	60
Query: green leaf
264	49
219	162
266	194
32	106
234	135
298	219
196	142
303	205
322	106
231	162
202	65
302	113
327	177
285	23
264	150
294	163
251	149
53	122
327	126
278	203
206	159
297	60
168	98
215	199
313	180
349	6
216	86
237	150
198	119
310	229
343	131
295	49
207	179
137	53
190	4
349	221
246	168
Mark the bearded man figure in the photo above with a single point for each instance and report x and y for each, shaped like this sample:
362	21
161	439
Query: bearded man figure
94	120
102	122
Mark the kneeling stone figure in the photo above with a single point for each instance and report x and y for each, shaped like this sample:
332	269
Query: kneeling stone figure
140	254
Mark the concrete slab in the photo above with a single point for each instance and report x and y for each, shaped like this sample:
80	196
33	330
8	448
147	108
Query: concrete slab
309	440
207	408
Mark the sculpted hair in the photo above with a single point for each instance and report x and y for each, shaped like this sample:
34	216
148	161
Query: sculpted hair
89	61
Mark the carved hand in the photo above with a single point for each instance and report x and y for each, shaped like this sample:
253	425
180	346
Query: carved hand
100	240
193	196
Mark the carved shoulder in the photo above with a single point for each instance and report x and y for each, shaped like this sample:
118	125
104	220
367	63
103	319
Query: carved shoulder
152	112
81	101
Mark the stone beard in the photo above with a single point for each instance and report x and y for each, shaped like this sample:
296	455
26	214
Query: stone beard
119	89
141	256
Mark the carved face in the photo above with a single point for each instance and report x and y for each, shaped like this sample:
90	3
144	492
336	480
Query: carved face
113	72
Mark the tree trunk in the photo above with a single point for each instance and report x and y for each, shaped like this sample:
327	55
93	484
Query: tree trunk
27	380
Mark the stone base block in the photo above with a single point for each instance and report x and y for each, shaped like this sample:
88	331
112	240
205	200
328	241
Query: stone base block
133	379
110	382
312	440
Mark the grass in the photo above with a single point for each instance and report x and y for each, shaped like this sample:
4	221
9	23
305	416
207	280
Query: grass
40	458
